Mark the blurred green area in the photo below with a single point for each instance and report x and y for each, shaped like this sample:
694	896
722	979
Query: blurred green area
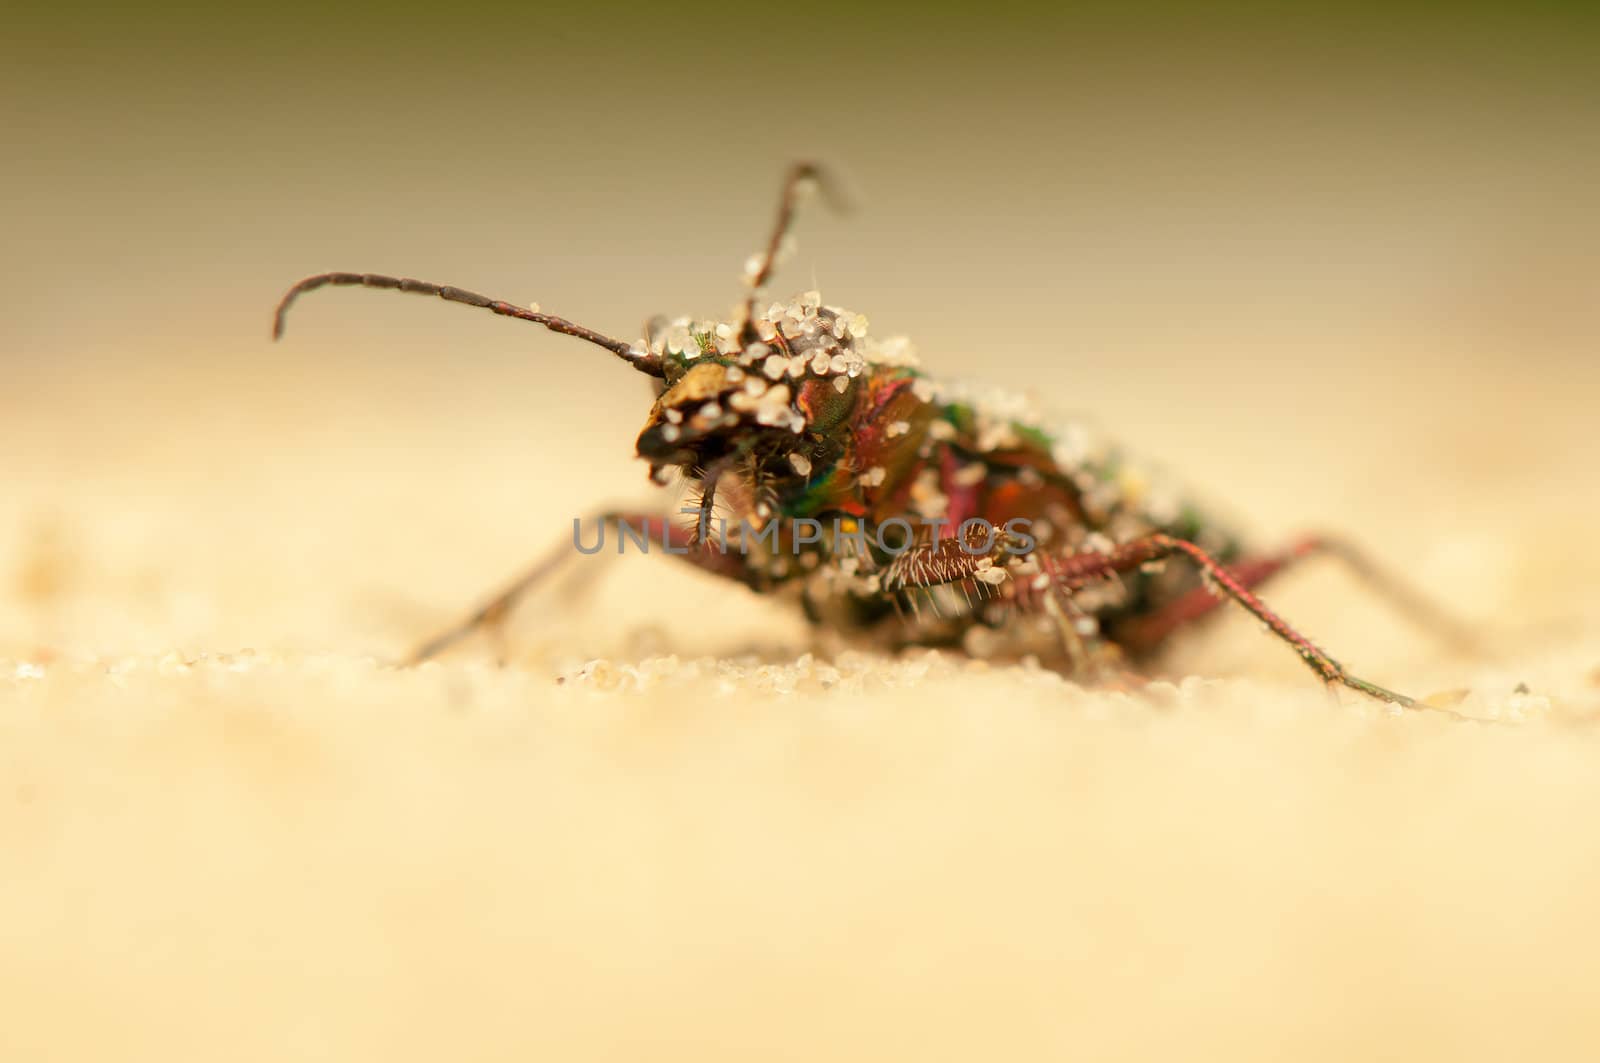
1148	173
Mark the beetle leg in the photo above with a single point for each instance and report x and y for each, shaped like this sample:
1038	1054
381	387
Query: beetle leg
1145	633
1397	593
492	614
949	561
1072	571
1064	614
1142	634
942	561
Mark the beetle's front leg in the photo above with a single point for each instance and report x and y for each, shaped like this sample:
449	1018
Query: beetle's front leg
679	542
953	559
975	564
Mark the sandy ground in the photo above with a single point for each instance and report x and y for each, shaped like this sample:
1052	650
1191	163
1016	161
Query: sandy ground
666	830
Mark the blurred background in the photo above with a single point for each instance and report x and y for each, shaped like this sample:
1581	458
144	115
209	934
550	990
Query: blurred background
1335	265
1051	173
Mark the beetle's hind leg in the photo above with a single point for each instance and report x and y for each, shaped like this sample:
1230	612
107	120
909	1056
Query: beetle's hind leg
1075	570
1414	606
1145	633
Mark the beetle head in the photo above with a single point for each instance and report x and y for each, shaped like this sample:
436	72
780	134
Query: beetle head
779	394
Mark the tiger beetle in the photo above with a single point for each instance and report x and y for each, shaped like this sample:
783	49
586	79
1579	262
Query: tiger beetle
791	412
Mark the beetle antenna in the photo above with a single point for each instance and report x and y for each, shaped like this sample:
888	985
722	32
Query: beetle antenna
640	359
799	175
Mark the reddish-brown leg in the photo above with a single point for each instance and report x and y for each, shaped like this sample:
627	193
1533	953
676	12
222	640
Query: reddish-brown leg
1145	633
1075	571
654	527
